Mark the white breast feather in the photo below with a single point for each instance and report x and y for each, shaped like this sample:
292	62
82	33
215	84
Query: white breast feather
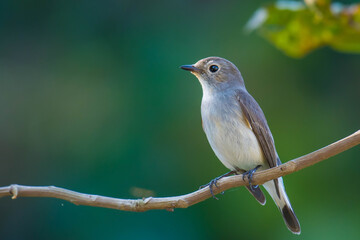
229	134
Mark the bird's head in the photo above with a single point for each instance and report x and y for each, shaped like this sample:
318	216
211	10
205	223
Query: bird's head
216	73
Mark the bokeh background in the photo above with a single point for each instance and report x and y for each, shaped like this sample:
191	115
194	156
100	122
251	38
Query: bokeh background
92	99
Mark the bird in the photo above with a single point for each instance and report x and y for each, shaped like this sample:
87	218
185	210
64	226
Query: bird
237	131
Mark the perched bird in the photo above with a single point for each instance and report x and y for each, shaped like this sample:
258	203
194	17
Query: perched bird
237	130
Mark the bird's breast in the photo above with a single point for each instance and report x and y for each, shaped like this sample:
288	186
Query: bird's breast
229	133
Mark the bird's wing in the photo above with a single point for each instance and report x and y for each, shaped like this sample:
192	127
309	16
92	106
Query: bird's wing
256	118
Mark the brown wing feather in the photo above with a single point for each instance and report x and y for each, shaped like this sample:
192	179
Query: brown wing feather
257	120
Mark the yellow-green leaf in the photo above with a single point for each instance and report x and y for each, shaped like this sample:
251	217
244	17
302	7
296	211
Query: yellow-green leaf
297	28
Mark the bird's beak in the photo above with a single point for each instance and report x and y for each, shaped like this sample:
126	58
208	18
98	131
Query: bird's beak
191	68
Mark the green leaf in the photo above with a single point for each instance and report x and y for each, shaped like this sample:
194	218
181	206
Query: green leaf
297	28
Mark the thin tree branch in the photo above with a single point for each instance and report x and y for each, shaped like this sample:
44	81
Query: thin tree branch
187	200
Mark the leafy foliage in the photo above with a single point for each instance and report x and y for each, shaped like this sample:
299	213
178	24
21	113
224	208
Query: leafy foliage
297	28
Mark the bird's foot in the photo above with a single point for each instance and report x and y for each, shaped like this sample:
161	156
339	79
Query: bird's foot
213	183
249	175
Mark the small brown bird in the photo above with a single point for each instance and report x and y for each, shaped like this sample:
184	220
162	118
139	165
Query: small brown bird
237	130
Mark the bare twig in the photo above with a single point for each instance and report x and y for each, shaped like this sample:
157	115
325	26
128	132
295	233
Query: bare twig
183	201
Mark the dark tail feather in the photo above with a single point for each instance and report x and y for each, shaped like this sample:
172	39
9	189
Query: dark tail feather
258	194
276	190
290	219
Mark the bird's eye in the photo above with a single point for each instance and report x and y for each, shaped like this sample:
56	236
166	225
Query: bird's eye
213	68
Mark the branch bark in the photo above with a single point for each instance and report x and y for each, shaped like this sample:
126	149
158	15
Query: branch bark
187	200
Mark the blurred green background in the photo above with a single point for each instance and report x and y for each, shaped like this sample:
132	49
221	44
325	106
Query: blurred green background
92	99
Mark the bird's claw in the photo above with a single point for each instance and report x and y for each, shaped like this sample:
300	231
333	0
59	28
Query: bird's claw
249	175
214	182
211	185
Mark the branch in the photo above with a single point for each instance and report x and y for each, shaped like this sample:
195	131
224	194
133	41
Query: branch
183	201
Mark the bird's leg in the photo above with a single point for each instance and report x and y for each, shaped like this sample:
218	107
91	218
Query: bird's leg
249	174
214	182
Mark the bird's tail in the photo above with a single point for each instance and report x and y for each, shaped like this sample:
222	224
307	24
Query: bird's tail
277	192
